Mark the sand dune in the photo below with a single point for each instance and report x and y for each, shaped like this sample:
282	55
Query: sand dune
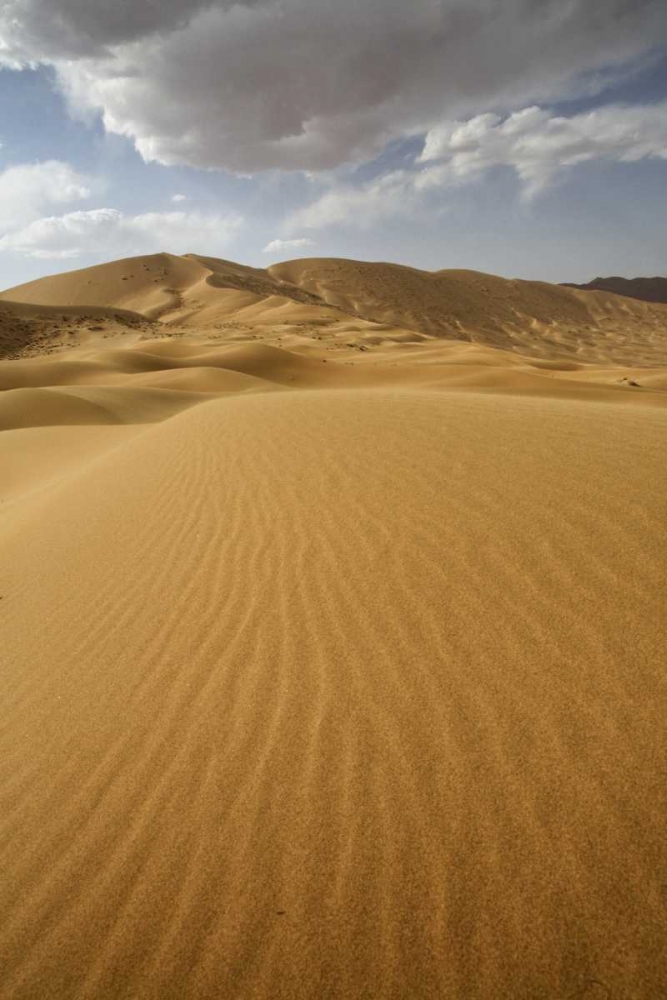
533	318
148	285
92	405
152	380
332	649
385	301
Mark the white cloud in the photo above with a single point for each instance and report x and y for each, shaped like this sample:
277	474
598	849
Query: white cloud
537	146
277	246
108	232
27	190
245	85
179	197
362	207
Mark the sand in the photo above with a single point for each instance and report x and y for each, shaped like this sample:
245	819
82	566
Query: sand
333	650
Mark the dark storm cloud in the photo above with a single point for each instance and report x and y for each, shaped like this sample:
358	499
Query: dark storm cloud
311	84
83	27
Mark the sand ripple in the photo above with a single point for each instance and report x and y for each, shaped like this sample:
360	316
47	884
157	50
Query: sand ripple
339	694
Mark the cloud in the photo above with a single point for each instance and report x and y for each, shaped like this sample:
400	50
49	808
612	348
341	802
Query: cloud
277	246
28	190
537	146
308	84
179	197
362	207
108	232
71	28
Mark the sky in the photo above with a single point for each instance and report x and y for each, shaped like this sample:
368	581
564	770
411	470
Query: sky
527	138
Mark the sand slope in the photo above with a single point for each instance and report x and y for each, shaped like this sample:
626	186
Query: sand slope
340	694
152	380
332	649
28	330
534	318
149	285
174	289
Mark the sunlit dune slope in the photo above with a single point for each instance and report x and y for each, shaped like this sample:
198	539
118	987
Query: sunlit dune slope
164	286
150	380
335	693
149	285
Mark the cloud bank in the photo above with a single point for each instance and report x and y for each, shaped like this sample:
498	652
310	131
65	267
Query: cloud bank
27	190
111	233
538	147
308	84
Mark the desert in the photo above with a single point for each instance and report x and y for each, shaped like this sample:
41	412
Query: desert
332	613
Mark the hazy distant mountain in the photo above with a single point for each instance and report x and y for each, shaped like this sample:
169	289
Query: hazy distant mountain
647	289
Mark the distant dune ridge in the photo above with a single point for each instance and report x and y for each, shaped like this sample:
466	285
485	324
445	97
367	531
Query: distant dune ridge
332	617
647	289
530	317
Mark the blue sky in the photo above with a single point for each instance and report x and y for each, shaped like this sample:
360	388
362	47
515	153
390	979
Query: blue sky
532	144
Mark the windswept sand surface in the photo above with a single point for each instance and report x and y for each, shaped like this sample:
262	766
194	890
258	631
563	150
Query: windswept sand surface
331	672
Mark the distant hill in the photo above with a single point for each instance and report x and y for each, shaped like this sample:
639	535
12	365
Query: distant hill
363	301
646	289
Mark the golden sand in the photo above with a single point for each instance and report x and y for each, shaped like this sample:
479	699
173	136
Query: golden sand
333	645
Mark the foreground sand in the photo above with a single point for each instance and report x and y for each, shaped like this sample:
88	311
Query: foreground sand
336	680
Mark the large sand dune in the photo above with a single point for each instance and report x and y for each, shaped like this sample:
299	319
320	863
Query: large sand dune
373	302
333	642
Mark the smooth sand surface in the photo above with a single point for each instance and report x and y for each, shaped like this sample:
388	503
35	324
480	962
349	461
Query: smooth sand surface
333	651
